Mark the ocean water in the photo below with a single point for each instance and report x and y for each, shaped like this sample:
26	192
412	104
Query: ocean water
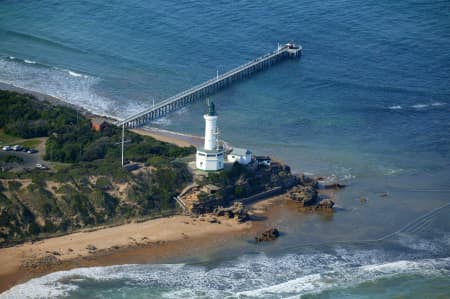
368	104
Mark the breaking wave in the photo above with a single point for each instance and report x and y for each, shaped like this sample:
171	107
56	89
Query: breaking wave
72	73
29	61
67	85
249	276
417	106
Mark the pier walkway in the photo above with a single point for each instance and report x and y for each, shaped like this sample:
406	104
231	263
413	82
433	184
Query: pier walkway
211	86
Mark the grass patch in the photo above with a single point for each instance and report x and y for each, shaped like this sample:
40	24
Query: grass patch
31	143
6	139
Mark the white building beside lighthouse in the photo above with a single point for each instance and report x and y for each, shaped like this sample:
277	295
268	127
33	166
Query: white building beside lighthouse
211	156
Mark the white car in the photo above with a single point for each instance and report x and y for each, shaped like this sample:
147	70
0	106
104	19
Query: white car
40	166
6	148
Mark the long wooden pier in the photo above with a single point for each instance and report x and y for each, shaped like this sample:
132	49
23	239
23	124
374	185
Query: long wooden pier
211	86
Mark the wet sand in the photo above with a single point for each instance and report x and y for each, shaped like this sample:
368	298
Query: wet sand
151	241
179	139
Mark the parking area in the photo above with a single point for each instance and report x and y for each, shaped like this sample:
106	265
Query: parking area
20	160
27	161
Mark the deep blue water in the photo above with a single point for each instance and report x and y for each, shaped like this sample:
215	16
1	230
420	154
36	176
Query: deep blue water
368	103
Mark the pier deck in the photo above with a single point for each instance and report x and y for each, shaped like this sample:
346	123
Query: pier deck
211	86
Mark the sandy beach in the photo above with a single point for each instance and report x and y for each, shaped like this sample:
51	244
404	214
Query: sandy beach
157	240
153	240
178	139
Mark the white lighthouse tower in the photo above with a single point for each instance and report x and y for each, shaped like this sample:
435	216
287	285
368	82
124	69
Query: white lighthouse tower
210	157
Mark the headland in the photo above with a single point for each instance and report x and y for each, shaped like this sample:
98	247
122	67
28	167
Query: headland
109	238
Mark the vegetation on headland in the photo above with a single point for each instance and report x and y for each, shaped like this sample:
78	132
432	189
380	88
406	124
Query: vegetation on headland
87	186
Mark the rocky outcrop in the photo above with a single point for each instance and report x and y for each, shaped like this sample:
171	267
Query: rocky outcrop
243	183
325	205
237	210
305	195
269	235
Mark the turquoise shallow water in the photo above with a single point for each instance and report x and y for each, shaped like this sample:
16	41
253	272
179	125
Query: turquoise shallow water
368	104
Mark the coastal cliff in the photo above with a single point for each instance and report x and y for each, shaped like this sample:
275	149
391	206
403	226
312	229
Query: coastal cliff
80	182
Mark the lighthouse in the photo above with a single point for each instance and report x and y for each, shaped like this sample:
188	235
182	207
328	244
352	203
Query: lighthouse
211	156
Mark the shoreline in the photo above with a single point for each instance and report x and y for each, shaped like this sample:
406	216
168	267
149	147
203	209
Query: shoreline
179	139
43	97
154	241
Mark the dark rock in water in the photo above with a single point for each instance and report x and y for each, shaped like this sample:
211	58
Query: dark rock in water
326	204
336	186
268	235
307	195
306	180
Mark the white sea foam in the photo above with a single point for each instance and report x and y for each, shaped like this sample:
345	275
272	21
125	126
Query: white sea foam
419	106
390	171
340	174
72	73
250	276
347	276
72	87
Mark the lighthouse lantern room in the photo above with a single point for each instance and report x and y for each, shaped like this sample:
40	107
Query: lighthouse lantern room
211	156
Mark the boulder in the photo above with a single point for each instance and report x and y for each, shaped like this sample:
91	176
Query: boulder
335	186
268	235
307	180
240	212
306	195
91	248
325	205
237	210
213	220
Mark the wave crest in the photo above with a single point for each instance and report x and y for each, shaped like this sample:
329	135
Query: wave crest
250	275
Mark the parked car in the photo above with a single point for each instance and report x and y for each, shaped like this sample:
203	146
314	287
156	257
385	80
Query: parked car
31	151
17	147
6	148
40	166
